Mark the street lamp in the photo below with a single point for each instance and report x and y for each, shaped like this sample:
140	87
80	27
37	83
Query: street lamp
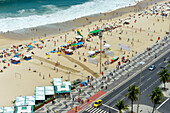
141	63
100	37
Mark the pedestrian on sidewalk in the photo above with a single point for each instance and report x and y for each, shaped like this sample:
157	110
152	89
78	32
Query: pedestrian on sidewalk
106	87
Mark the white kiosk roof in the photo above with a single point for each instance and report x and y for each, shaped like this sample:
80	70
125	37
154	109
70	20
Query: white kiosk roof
57	81
66	83
7	110
49	90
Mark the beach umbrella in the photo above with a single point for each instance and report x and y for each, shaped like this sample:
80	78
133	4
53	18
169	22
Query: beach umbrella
74	45
48	56
34	42
107	45
48	53
41	39
91	52
95	31
59	53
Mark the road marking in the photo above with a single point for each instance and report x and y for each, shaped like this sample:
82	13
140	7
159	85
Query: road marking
148	78
162	103
110	107
159	64
119	93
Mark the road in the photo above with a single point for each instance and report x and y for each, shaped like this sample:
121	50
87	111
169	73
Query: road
149	81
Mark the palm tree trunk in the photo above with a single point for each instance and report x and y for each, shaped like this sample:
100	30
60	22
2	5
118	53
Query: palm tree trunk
132	107
153	108
164	86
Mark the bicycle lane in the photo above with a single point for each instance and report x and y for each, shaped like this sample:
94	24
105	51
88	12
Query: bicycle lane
87	103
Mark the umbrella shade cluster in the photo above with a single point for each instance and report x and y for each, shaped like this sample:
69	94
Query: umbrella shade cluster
114	59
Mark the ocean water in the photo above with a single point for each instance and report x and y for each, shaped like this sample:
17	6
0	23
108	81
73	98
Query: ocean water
19	14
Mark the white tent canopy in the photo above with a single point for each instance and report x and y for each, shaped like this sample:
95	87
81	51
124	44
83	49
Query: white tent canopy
39	93
91	52
107	45
79	37
16	58
49	90
127	21
25	100
67	83
57	81
7	110
69	50
27	55
24	109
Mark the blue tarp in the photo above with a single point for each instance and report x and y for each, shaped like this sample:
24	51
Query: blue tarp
16	56
80	43
30	46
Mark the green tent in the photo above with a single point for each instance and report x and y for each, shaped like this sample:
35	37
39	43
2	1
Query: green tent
74	45
95	31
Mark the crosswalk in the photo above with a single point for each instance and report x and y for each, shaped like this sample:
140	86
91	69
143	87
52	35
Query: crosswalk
92	109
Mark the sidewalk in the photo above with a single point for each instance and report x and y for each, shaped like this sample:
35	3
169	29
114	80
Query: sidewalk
87	103
142	109
167	92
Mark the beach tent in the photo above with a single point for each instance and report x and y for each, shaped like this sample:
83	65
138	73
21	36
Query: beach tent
63	89
127	22
15	60
39	93
27	57
107	45
74	45
69	51
57	81
24	109
95	31
80	43
7	110
30	47
78	37
25	101
67	83
91	52
49	90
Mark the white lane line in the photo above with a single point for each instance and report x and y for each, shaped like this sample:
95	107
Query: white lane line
162	103
119	94
148	78
110	107
159	64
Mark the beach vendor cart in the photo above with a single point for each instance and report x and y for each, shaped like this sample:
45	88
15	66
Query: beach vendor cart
114	59
69	51
15	60
27	57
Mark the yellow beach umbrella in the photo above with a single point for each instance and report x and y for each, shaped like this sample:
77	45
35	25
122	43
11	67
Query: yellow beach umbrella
59	53
41	39
48	56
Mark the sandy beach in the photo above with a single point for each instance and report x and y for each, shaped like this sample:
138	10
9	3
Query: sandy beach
21	79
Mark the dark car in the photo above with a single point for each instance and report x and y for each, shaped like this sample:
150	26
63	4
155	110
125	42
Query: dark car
152	67
163	67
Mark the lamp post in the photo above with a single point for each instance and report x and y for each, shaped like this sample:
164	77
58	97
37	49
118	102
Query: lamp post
141	63
100	37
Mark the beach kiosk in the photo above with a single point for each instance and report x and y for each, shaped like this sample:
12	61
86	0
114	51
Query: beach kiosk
49	91
61	88
6	109
39	95
15	60
27	57
24	104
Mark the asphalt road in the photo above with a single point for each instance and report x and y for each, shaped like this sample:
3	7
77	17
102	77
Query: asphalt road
149	81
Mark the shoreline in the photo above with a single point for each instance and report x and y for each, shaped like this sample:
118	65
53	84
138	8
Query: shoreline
60	28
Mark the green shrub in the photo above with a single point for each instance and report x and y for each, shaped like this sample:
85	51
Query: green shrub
49	100
35	107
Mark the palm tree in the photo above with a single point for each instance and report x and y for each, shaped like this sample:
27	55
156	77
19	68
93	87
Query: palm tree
156	97
164	76
169	64
121	106
132	95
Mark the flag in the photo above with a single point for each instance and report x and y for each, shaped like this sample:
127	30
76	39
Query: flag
78	32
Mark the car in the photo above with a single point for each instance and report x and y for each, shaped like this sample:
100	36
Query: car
98	103
163	67
77	81
152	67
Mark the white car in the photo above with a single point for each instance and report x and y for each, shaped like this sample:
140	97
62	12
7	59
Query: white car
152	67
